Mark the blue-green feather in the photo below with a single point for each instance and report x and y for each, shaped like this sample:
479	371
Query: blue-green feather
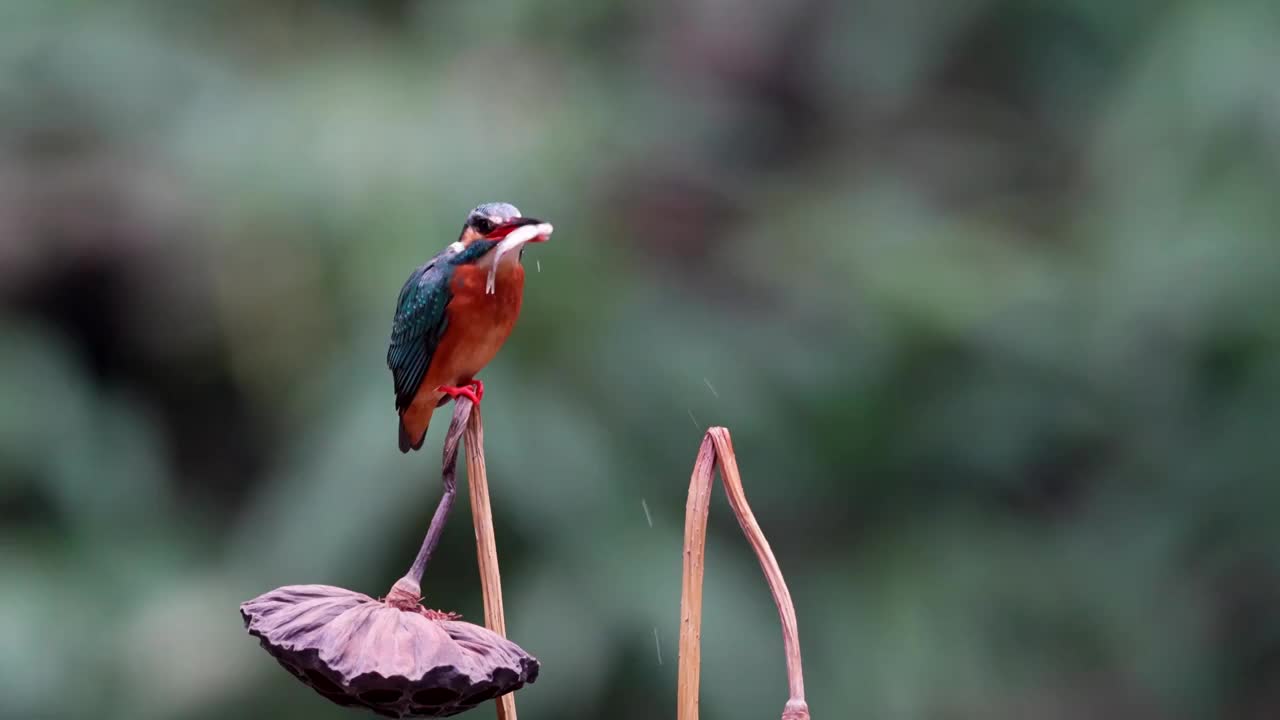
421	318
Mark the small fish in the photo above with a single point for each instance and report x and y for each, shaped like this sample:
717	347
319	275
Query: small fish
512	241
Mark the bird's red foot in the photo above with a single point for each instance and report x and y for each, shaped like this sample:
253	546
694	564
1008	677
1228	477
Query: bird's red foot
473	391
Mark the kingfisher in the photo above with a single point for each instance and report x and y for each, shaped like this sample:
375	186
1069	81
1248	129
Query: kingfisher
455	312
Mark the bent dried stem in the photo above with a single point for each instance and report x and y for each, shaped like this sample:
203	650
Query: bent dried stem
718	446
408	589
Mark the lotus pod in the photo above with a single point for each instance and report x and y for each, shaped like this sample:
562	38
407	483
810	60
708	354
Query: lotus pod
392	656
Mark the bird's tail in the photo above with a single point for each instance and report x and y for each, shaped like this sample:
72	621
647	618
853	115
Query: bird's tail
412	438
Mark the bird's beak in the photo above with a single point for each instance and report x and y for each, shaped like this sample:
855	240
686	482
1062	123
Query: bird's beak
522	230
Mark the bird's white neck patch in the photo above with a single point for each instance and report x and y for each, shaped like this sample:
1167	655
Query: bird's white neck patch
513	241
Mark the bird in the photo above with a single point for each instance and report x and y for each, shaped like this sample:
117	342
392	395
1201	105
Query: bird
455	312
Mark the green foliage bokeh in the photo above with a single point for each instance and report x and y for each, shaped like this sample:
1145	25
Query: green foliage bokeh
985	290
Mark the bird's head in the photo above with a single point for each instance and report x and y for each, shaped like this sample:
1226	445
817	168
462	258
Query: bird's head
497	226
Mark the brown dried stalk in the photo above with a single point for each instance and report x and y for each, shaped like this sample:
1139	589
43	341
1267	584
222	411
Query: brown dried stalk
465	414
486	545
718	446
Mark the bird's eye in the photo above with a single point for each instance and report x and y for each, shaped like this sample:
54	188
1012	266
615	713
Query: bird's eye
482	225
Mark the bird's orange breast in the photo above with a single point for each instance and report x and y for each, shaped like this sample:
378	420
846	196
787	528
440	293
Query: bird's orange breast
479	322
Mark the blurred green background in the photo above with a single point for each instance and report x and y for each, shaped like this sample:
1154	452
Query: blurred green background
986	291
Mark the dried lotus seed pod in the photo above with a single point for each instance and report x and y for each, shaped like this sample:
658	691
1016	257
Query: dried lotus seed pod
391	656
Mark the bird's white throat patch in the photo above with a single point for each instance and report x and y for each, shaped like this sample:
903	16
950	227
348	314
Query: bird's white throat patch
513	241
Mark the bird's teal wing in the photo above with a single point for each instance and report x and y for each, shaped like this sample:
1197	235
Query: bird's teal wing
418	327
